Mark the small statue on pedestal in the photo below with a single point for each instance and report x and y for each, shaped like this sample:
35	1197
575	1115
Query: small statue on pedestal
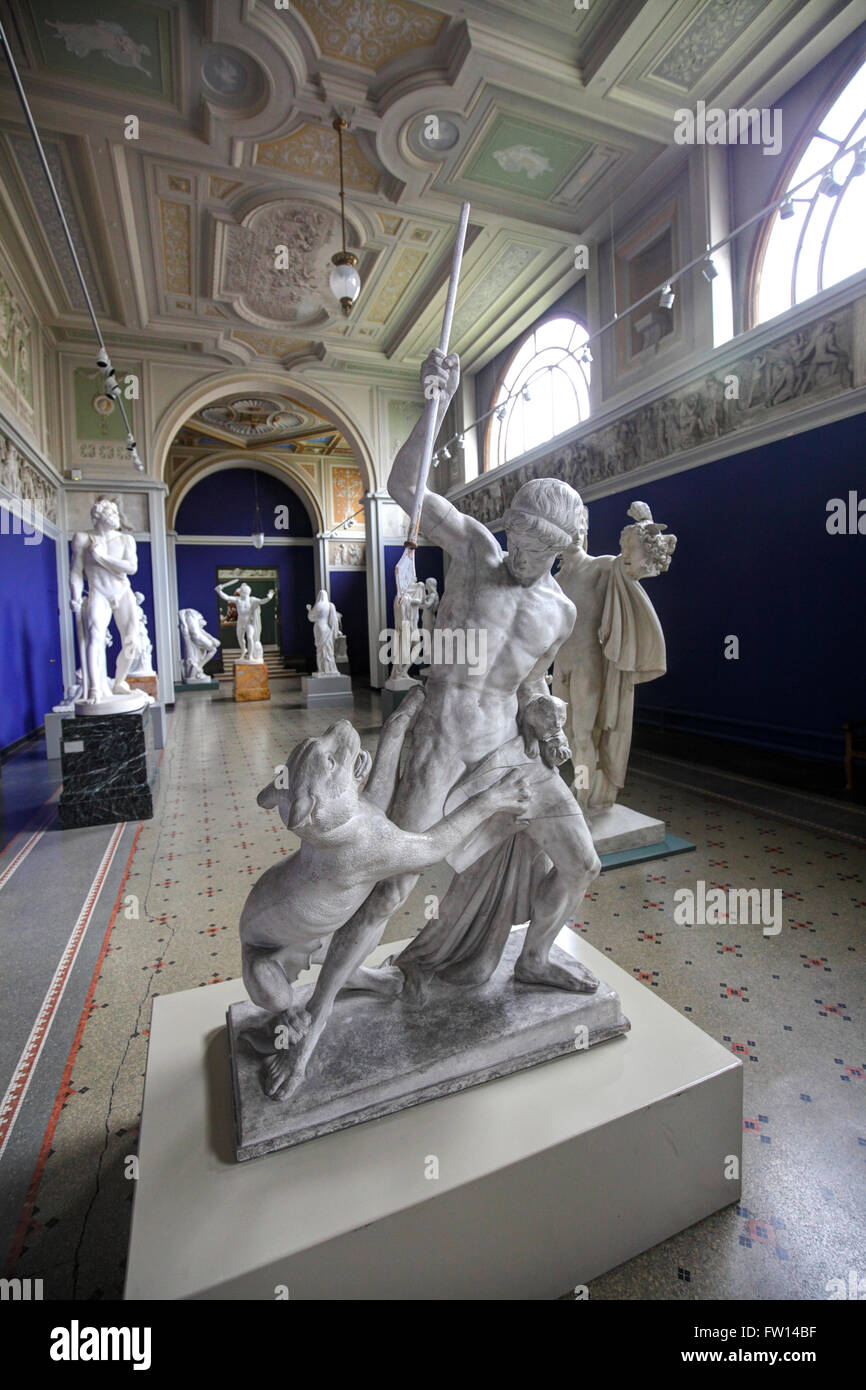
249	620
326	629
199	645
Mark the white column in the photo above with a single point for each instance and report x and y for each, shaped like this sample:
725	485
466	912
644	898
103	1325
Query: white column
375	585
320	564
162	614
68	652
174	603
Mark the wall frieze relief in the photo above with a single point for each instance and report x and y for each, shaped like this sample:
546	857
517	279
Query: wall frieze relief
804	366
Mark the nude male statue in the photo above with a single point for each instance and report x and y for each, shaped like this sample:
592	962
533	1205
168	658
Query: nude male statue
249	622
106	557
468	719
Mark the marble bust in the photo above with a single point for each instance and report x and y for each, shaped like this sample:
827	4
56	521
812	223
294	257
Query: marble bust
617	642
249	620
199	645
326	630
104	558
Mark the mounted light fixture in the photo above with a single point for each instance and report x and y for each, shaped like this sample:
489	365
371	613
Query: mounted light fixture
708	269
829	186
859	165
667	297
586	356
501	413
258	533
786	211
525	394
344	279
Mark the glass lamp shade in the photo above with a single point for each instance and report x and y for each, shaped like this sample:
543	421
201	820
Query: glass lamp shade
344	279
258	539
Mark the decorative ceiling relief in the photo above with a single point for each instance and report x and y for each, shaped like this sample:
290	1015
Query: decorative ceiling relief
249	417
395	285
34	180
486	290
312	150
271	344
16	349
705	40
370	32
221	188
525	158
247	263
229	77
83	38
175	226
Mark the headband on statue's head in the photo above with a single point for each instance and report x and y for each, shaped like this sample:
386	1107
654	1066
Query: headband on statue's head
538	527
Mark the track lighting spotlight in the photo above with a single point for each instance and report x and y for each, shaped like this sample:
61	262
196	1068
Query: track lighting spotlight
666	298
859	165
525	394
708	269
586	355
500	413
829	186
786	211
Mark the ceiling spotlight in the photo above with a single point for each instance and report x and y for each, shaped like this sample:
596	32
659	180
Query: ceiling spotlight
786	211
445	453
666	298
859	165
829	186
586	355
436	460
460	441
525	394
501	413
708	269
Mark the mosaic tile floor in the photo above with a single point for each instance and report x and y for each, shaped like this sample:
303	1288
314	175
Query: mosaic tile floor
791	1005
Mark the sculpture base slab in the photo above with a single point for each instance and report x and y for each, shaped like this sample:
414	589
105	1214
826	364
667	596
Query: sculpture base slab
251	681
617	828
197	685
149	684
108	768
113	704
327	690
546	1178
378	1056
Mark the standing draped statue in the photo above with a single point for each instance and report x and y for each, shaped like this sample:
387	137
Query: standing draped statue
616	643
326	629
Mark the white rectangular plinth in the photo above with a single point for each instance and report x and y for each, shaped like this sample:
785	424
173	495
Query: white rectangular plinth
327	690
618	828
52	722
543	1180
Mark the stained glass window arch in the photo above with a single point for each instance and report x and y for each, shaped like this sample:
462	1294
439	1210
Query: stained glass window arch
544	390
816	238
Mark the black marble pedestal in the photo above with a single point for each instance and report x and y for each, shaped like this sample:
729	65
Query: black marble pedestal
108	768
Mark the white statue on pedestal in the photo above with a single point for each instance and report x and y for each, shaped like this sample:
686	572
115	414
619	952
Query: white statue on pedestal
617	642
199	645
249	620
430	606
105	557
326	629
470	728
407	607
142	662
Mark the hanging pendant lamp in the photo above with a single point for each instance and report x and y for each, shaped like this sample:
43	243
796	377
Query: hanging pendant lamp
344	279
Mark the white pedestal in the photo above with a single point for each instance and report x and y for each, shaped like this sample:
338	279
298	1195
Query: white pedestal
327	690
545	1179
618	828
53	721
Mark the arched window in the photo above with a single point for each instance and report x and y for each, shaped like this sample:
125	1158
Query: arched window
817	237
544	392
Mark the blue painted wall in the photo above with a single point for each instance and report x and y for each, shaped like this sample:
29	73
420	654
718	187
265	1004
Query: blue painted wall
349	595
754	559
196	580
31	677
223	504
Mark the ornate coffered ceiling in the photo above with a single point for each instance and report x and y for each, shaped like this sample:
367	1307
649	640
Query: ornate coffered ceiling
540	114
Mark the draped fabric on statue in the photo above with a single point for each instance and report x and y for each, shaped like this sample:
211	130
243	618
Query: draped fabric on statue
465	943
634	649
